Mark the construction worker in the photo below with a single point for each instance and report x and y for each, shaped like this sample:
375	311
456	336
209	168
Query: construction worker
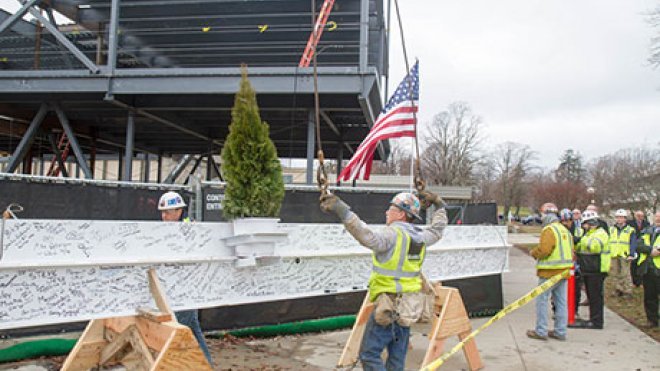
593	256
554	255
649	269
622	237
173	209
639	223
395	282
576	229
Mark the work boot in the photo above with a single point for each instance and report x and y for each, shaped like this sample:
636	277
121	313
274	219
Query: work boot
532	334
554	335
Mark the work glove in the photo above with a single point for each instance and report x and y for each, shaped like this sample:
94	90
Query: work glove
333	204
428	198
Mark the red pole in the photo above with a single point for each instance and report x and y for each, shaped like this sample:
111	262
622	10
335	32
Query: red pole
571	297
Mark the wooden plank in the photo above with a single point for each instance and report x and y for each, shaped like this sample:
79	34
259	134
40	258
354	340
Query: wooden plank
116	349
155	334
154	315
86	353
471	353
181	353
119	324
349	356
145	359
157	292
436	342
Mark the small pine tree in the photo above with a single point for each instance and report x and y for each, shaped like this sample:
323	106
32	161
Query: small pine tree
250	165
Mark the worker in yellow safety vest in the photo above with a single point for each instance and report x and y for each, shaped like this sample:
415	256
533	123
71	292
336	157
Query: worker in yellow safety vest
622	237
648	267
395	283
593	256
554	254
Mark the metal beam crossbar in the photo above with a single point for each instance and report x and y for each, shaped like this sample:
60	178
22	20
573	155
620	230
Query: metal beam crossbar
63	39
26	141
18	15
74	142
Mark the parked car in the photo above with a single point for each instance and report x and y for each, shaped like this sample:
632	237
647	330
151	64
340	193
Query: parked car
531	219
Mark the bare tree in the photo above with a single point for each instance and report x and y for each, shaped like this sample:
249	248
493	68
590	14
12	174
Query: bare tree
452	146
397	163
654	20
629	178
512	162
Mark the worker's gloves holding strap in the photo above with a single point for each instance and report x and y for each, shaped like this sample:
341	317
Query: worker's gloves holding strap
333	204
429	198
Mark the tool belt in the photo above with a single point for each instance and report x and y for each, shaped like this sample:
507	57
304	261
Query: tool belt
405	309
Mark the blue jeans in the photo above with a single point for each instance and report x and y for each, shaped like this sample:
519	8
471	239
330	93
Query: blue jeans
190	318
376	338
559	294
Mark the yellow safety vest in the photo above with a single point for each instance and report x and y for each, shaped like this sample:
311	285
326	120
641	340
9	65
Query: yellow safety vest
595	242
401	272
562	255
647	241
620	240
578	231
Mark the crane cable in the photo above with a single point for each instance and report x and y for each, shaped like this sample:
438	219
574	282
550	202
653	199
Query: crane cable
420	184
321	174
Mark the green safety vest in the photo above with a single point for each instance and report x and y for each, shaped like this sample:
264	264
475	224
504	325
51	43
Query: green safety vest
401	272
647	241
562	255
620	240
595	242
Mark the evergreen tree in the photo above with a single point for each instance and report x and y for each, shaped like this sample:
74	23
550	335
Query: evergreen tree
250	165
570	167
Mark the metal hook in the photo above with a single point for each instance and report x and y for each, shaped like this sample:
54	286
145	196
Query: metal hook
322	175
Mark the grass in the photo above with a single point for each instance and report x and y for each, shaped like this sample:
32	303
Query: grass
630	309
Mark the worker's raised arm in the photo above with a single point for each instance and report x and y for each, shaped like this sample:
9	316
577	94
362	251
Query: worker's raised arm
434	231
379	242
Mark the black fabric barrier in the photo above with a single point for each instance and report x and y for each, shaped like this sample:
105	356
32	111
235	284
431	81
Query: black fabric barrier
81	201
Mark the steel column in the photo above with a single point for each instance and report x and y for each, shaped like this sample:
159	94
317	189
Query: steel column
160	168
147	168
73	141
364	35
128	154
340	159
26	140
311	142
112	37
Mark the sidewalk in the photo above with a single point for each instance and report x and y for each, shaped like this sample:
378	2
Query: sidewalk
504	345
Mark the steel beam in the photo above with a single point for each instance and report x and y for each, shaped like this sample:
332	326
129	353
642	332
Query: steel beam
310	147
163	121
65	56
73	141
28	137
147	168
17	15
58	154
197	162
63	40
130	140
178	169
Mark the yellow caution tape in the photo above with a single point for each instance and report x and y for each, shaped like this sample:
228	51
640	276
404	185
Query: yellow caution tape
538	290
262	28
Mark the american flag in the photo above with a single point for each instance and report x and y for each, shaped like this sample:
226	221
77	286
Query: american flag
396	120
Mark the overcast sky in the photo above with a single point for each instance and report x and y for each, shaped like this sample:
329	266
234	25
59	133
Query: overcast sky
554	74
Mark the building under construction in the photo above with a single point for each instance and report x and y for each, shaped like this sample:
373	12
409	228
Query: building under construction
155	79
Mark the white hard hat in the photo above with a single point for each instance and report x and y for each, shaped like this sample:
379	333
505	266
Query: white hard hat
549	208
407	202
170	200
589	215
621	212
